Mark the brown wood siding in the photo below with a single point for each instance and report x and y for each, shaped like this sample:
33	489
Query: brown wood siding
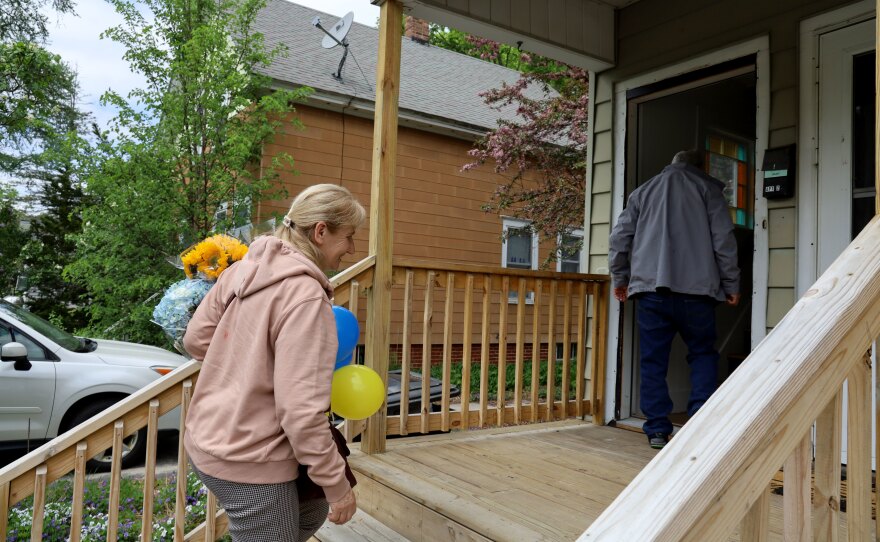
438	208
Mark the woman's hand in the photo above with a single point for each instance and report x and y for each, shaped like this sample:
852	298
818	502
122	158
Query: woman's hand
342	510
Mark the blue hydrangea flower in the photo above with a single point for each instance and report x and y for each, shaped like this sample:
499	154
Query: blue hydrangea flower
178	305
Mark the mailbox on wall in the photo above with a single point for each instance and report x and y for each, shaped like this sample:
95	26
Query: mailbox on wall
779	172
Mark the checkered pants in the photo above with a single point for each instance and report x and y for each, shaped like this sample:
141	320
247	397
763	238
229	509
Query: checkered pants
266	512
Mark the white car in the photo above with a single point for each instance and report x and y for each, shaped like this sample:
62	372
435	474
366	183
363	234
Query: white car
51	381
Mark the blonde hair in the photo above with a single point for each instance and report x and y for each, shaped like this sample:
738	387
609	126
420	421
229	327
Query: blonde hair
328	203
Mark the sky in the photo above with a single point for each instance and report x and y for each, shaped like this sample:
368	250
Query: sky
99	62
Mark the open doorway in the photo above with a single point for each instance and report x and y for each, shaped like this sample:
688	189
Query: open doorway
712	109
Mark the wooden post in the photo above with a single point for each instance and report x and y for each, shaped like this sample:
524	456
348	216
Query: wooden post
378	333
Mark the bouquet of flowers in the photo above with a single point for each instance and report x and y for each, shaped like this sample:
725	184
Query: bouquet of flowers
202	263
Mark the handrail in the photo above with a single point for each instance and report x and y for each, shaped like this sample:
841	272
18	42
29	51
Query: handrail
58	454
458	267
706	479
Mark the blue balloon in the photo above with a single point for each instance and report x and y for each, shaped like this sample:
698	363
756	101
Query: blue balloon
347	333
344	362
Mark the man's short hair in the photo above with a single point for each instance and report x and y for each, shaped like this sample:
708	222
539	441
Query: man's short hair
693	157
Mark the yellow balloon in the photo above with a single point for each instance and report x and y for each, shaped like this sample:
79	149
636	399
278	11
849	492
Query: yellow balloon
357	392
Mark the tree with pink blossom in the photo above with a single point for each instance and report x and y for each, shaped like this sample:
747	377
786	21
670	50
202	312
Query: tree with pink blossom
542	152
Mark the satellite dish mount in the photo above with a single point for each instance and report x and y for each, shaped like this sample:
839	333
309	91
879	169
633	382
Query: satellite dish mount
336	36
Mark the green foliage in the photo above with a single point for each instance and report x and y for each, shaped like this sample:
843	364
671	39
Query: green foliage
187	142
96	498
12	238
36	88
26	20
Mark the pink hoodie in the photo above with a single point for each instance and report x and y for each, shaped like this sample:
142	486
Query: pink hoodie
259	407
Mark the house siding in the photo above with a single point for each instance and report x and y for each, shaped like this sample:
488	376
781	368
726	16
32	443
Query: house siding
438	215
656	33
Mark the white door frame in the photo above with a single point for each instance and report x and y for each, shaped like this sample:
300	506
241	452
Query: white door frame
808	148
810	232
760	47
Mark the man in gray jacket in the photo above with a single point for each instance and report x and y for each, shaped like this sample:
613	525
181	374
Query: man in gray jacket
673	249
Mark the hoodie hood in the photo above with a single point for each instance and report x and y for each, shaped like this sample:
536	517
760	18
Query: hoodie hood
270	260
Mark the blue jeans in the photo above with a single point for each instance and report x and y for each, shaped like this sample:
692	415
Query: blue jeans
660	317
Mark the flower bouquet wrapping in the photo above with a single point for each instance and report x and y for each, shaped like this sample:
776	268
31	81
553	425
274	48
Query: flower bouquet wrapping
202	263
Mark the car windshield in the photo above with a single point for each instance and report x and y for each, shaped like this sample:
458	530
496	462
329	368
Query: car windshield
63	338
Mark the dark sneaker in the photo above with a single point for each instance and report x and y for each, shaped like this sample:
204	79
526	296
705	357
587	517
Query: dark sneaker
658	440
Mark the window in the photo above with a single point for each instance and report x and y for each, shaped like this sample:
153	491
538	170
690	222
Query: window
235	218
568	260
519	250
35	352
731	160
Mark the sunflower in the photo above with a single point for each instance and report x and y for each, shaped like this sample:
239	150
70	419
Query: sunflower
212	256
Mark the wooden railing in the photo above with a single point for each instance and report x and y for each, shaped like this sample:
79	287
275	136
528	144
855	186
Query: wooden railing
477	313
714	474
468	320
68	453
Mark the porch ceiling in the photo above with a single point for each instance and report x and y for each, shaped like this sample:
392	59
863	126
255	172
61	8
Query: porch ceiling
577	32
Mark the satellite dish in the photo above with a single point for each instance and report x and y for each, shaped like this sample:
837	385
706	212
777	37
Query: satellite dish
336	34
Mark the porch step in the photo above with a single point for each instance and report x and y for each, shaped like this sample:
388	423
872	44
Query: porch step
362	528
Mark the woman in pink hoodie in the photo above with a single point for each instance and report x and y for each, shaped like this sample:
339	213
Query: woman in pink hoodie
266	336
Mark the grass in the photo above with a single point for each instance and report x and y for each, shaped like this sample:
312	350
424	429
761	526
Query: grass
510	373
56	523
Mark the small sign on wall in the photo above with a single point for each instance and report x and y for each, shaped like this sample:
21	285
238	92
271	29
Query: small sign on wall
779	172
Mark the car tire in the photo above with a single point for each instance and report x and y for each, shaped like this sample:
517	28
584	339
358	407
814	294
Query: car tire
134	447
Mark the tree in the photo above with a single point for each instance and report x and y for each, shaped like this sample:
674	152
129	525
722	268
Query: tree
12	238
544	149
35	85
51	246
185	145
25	20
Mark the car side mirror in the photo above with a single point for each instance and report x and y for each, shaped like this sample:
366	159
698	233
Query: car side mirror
17	353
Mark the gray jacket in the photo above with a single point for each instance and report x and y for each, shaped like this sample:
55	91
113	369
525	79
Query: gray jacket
676	233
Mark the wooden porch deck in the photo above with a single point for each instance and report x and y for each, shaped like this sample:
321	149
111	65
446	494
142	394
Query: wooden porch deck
524	483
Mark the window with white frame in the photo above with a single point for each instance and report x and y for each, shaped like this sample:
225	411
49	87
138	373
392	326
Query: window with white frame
519	250
568	259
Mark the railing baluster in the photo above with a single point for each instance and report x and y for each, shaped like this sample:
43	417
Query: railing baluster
536	350
4	509
501	394
39	503
76	505
406	366
565	380
796	493
150	469
182	465
484	354
115	481
210	518
826	502
874	392
551	353
597	352
520	345
354	292
466	347
447	351
755	526
858	456
581	345
426	350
